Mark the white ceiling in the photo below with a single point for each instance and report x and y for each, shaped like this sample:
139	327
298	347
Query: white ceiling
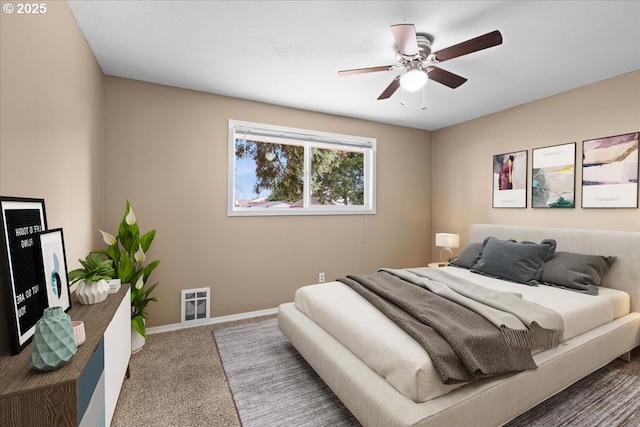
288	52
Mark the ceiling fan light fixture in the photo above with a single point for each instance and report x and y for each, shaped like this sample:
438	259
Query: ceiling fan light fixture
413	80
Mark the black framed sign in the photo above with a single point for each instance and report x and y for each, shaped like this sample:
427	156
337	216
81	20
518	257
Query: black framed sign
21	288
52	267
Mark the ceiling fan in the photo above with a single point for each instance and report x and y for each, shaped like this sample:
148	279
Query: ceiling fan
413	53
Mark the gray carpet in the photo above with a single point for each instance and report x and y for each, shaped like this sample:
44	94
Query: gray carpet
272	385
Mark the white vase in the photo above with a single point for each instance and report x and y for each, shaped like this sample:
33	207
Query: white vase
92	293
137	341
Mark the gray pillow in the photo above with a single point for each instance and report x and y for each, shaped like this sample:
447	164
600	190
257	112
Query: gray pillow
468	255
520	262
577	272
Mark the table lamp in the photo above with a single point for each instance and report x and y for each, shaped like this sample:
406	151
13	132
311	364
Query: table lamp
447	241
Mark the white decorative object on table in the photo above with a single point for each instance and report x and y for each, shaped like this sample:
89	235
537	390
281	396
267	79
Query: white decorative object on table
114	285
78	331
92	293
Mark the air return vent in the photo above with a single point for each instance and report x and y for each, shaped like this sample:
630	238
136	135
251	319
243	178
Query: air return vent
195	306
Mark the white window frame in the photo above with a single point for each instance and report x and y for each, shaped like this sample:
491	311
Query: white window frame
307	138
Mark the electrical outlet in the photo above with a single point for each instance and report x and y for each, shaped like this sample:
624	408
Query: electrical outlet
321	277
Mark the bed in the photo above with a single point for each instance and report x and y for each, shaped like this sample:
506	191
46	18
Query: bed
372	389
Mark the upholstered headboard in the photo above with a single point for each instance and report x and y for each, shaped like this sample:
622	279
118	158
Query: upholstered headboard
625	272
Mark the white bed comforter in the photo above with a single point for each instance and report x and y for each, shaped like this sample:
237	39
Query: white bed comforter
395	356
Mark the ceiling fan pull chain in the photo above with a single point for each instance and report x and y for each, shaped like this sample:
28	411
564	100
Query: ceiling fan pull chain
424	107
402	97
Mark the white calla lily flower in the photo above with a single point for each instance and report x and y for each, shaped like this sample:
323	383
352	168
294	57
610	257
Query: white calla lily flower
109	239
131	217
139	255
140	282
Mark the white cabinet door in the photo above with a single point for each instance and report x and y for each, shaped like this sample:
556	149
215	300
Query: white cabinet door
117	351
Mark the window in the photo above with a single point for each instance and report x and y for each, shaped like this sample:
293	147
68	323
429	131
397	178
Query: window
283	171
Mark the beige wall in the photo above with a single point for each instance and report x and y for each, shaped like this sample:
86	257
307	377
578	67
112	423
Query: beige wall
462	156
51	121
166	151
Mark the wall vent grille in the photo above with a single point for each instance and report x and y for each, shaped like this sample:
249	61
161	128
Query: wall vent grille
195	305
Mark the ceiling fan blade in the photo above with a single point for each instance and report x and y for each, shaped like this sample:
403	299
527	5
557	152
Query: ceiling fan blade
405	35
485	41
390	90
365	70
445	77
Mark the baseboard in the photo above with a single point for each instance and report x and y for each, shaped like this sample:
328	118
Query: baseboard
213	321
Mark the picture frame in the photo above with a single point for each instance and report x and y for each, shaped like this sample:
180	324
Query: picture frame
610	172
510	180
22	299
553	176
52	267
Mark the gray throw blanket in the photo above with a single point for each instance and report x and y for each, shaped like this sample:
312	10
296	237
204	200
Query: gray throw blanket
524	324
463	345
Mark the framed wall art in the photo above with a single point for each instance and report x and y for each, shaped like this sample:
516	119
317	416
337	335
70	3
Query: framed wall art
52	267
510	180
553	176
24	299
610	172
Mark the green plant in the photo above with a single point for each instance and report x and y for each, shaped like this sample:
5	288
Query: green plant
94	268
128	251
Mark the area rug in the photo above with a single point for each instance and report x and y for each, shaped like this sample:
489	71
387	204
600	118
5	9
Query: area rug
272	385
607	397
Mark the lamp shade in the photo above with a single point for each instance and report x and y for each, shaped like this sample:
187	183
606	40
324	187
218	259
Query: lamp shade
447	240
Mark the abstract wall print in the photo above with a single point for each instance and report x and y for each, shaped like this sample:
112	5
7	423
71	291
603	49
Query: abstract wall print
22	292
53	268
610	172
553	176
510	180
